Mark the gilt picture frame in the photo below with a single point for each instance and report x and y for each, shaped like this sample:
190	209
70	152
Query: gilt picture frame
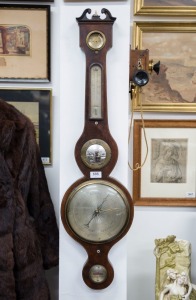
36	105
165	7
31	1
24	43
174	45
168	176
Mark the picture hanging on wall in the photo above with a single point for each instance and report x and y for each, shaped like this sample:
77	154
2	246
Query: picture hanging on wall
168	176
174	45
165	7
24	43
31	1
36	105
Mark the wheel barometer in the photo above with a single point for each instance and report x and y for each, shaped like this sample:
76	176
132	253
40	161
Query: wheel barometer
96	210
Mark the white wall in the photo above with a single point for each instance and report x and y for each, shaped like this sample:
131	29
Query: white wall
135	277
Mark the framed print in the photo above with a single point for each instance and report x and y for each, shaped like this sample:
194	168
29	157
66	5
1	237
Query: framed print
168	177
165	7
174	45
24	43
36	105
33	0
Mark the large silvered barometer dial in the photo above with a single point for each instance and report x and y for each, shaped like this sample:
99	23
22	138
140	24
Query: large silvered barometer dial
96	211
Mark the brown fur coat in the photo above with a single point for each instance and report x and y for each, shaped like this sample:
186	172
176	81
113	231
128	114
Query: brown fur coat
28	228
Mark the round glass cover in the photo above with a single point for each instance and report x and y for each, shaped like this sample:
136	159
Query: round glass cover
95	153
97	211
95	40
98	273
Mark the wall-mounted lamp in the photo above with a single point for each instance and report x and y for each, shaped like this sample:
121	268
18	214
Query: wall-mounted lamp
140	68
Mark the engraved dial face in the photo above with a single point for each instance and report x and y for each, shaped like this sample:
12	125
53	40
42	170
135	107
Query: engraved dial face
98	273
97	211
95	40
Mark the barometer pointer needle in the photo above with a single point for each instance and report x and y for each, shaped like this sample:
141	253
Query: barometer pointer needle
96	212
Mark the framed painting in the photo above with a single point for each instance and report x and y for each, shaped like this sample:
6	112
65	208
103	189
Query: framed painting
168	177
36	105
174	45
24	43
31	1
165	7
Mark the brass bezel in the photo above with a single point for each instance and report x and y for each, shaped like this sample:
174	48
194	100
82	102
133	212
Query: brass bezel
96	165
90	34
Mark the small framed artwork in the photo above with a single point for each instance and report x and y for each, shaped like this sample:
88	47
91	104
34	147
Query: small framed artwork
168	176
165	7
32	1
36	105
24	43
173	44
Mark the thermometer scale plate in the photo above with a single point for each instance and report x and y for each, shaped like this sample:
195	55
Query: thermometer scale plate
95	92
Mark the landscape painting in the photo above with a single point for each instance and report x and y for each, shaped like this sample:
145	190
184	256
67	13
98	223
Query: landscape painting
165	7
170	2
176	81
175	86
